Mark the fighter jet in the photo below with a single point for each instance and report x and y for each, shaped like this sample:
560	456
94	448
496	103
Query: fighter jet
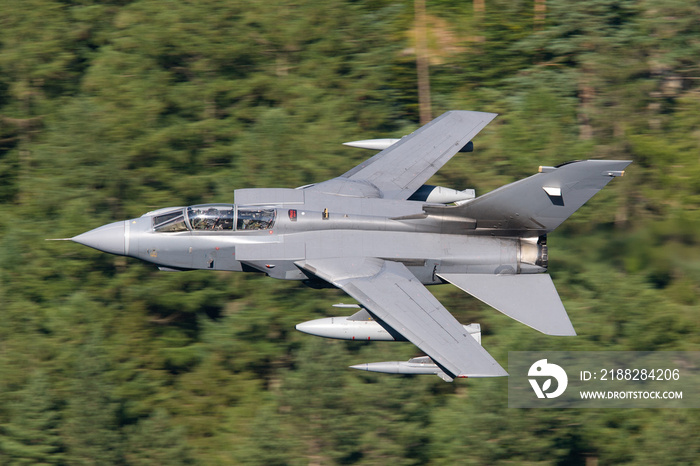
380	234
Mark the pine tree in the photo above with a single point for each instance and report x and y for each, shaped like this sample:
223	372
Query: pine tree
31	436
91	429
155	440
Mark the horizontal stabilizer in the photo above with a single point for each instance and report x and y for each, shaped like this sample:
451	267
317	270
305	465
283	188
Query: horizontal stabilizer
530	299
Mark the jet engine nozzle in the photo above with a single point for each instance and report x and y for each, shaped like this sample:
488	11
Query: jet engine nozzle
534	252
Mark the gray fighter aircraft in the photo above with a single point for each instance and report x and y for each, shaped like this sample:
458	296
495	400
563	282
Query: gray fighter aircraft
380	234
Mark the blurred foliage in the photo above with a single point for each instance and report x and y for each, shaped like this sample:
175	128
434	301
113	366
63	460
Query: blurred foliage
110	109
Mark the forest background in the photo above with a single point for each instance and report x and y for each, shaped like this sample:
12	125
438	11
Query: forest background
109	109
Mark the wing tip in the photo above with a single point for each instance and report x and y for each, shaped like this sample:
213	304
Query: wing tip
567	333
473	113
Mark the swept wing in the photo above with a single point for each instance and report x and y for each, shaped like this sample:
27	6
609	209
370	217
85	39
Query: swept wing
398	171
393	295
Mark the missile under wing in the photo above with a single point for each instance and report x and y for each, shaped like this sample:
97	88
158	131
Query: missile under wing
381	235
391	293
529	208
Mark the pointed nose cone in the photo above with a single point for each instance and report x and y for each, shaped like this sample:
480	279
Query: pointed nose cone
306	327
319	327
108	238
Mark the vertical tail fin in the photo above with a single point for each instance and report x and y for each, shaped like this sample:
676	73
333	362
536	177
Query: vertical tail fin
540	203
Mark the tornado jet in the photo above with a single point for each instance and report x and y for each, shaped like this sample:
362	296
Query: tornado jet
382	235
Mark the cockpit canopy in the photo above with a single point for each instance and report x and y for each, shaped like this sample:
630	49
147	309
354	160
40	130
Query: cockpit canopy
210	217
214	217
170	221
255	218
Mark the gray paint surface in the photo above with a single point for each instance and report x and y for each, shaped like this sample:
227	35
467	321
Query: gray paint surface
361	233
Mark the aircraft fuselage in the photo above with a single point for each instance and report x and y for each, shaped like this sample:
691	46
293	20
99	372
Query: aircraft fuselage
271	238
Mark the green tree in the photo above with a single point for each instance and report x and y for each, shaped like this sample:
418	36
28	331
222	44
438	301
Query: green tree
91	428
30	436
155	440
